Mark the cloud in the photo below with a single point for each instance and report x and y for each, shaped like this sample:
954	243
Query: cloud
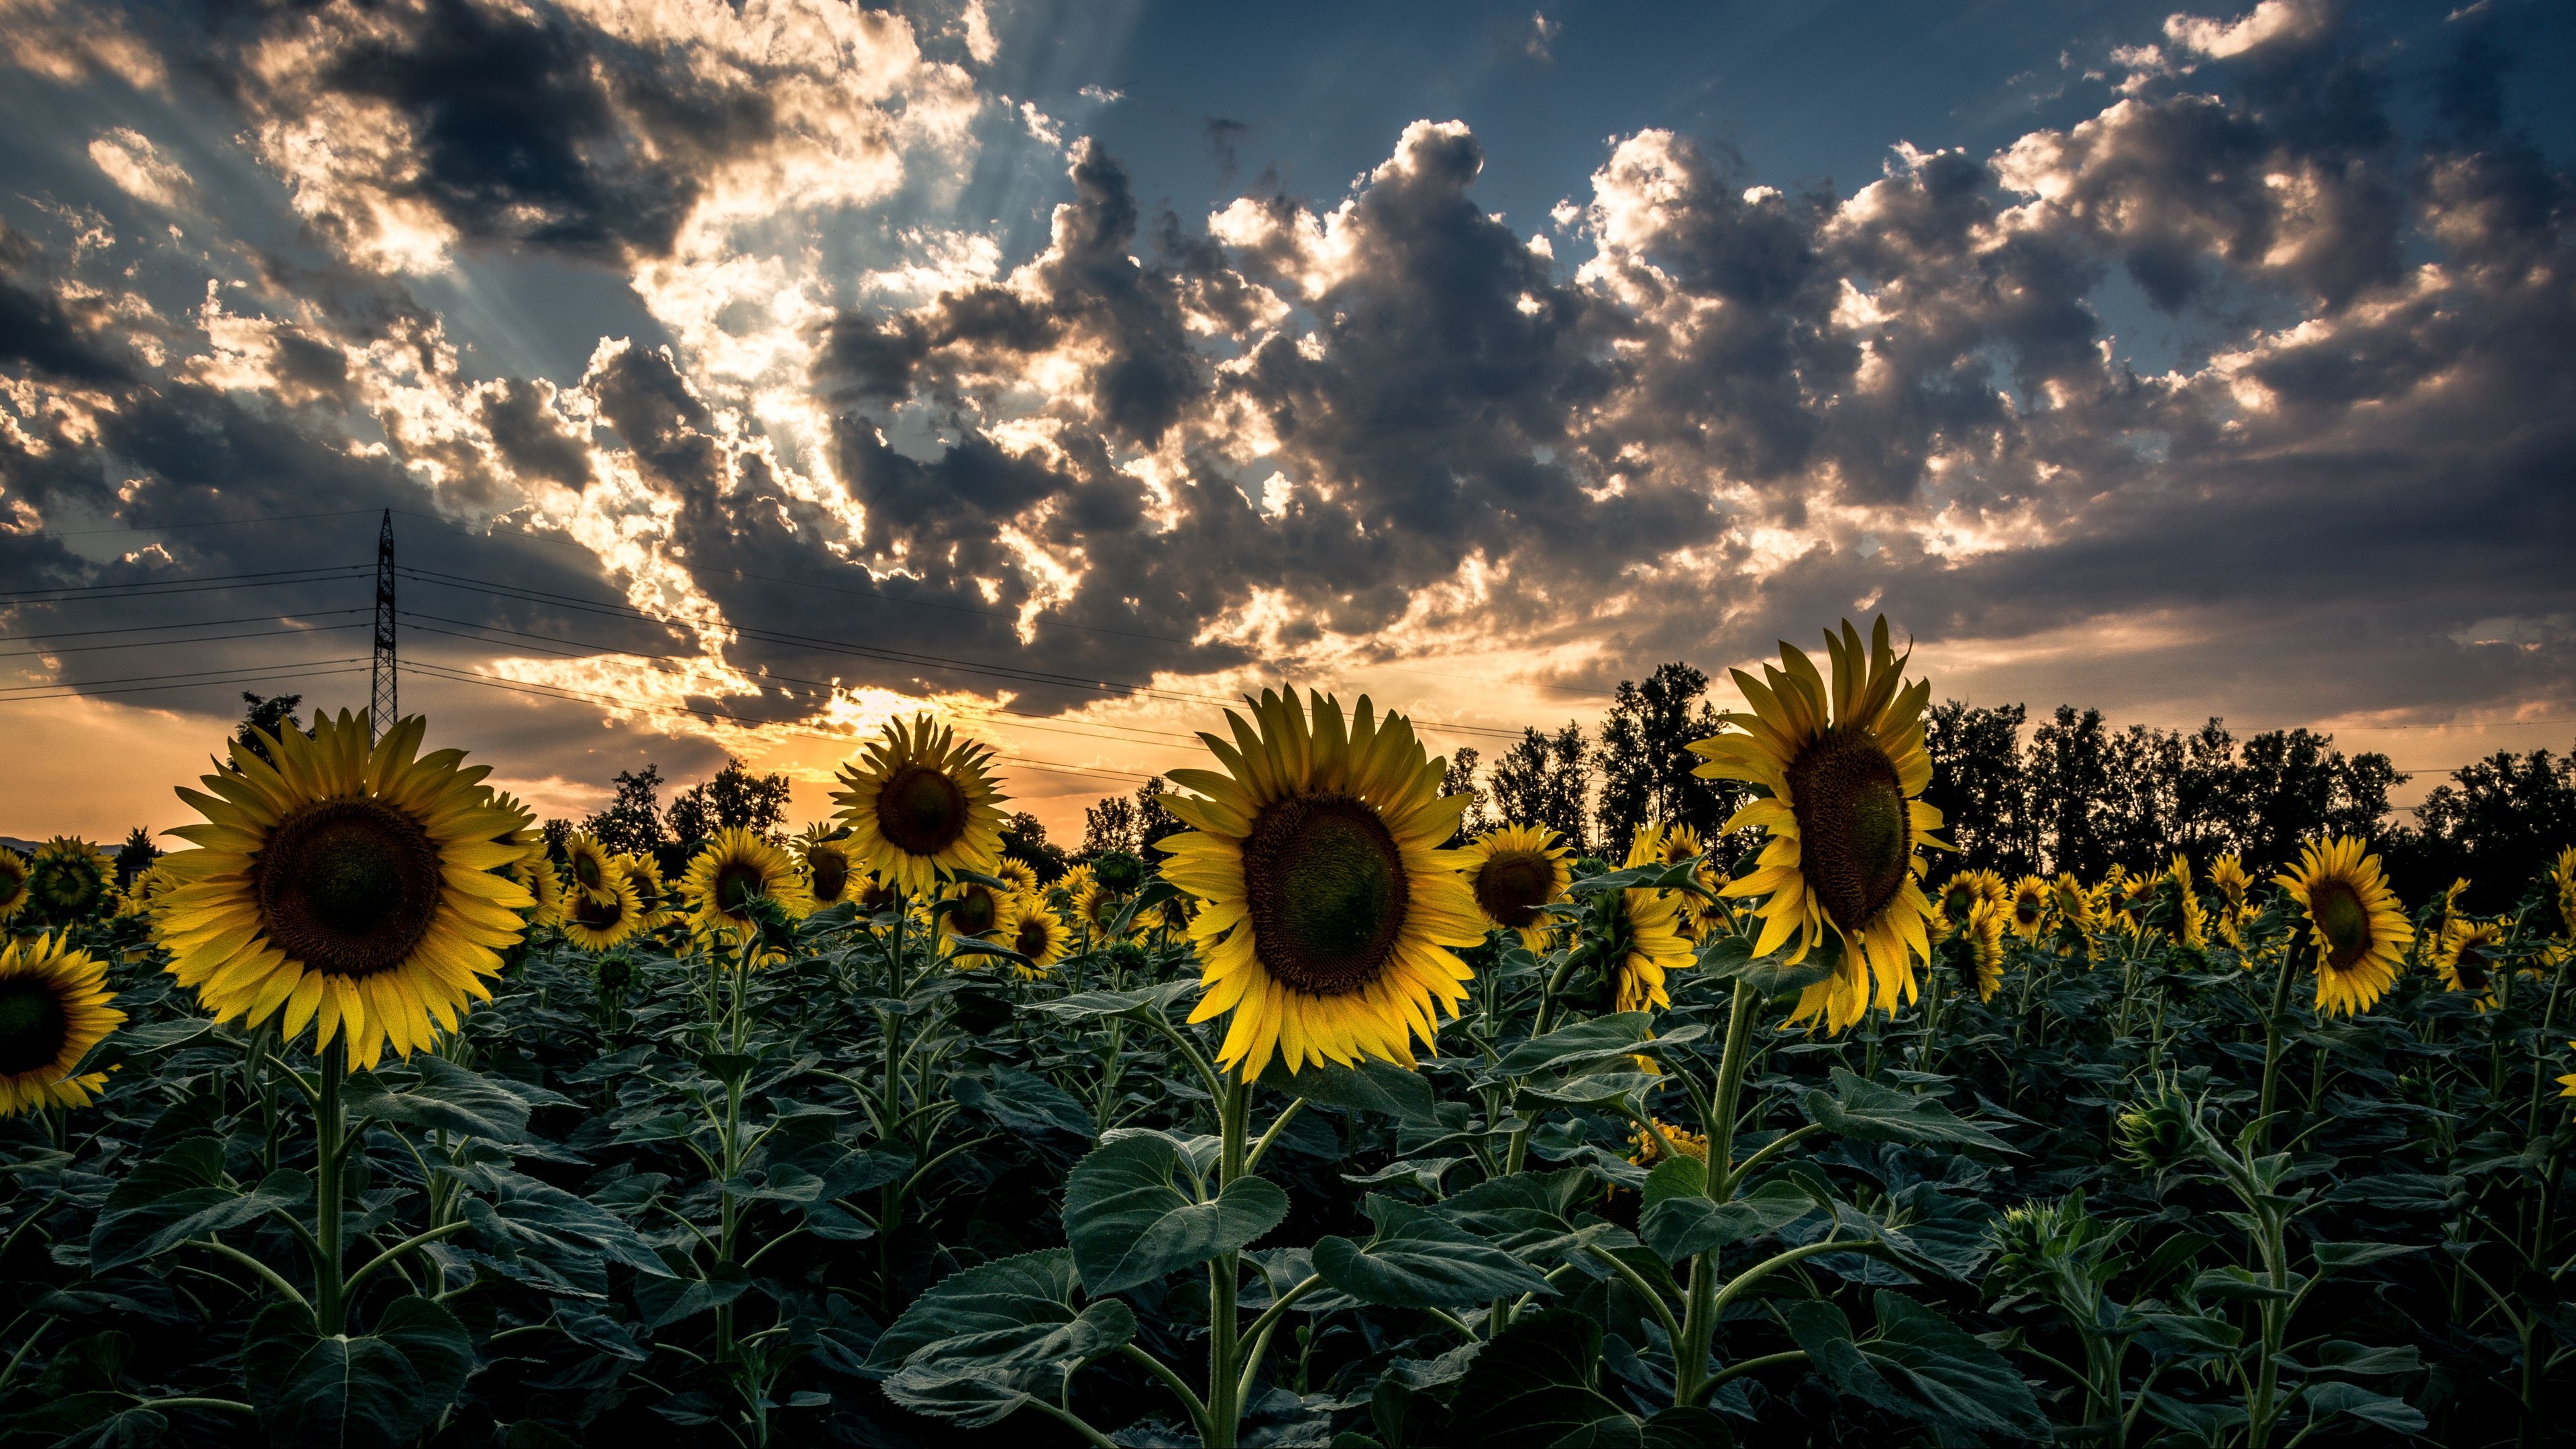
848	451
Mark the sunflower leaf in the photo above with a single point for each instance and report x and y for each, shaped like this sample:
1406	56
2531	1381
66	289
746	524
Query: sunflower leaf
1128	1225
1009	1295
1372	1086
384	1387
1089	1005
1534	1387
1731	958
181	1195
1418	1259
1586	1043
1677	1227
1864	1109
440	1094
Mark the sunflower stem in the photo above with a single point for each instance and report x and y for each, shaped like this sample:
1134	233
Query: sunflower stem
2272	1050
1225	1392
1699	1316
330	1311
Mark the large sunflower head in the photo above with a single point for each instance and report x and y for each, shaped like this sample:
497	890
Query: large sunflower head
2361	931
1984	934
652	897
1515	870
70	880
347	885
1036	933
603	925
586	869
1648	936
1330	908
53	1009
830	875
2030	900
920	801
736	868
2466	958
13	883
1839	770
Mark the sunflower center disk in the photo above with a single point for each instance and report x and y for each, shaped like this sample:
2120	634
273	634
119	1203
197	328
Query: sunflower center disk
1514	885
1327	892
348	887
33	1026
974	912
920	810
2339	914
598	915
831	874
2469	970
1853	835
736	886
1032	941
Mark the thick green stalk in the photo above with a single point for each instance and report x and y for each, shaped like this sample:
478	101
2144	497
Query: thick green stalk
1518	1151
1224	1395
2272	1051
330	1313
1699	1318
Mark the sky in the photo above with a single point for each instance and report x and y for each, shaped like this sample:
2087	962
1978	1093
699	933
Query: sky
740	376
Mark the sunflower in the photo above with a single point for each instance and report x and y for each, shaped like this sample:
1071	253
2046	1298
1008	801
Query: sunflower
1024	881
2361	931
2029	907
733	870
2464	958
70	880
1647	938
13	883
2227	876
2191	922
1961	893
973	910
1069	885
2562	889
875	896
1036	933
921	803
829	877
1840	772
597	925
1095	908
1984	932
53	1009
345	884
1686	1143
1513	871
148	886
536	875
586	870
652	897
1330	908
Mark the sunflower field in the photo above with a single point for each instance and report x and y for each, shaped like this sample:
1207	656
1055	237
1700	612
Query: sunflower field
372	1120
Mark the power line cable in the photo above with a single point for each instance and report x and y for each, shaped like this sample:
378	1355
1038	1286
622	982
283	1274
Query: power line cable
194	624
201	523
95	593
197	639
249	678
189	674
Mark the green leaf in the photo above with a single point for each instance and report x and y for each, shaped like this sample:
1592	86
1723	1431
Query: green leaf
526	1215
1586	1043
2237	1284
978	1379
1731	958
181	1195
1091	1005
1002	1296
386	1387
1864	1109
1129	1225
1373	1086
1675	1177
2404	1192
1678	1226
1687	1428
441	1095
157	1036
1534	1387
2331	1256
2393	1414
1947	1375
1679	876
1609	1090
1022	1103
1418	1259
2342	1356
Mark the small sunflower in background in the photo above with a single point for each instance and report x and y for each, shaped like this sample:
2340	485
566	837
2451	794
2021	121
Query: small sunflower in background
2361	931
652	897
919	802
2191	922
1035	932
70	880
1515	870
144	891
2227	877
597	925
2567	1084
53	1009
1023	879
13	883
347	886
1842	768
2029	907
1069	885
1961	893
1984	935
734	869
537	875
1650	1148
1646	939
2562	890
972	909
2465	958
586	869
831	877
1095	908
875	895
1329	909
